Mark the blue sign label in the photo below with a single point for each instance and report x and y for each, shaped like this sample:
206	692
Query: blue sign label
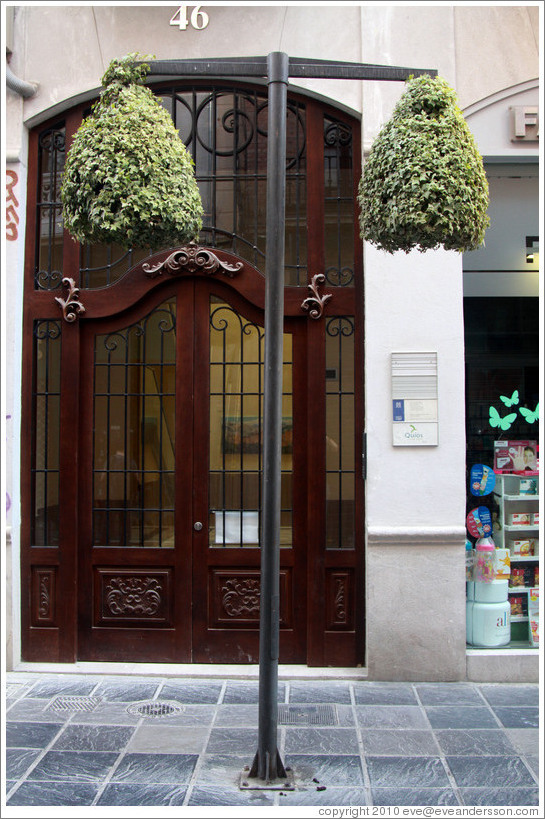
482	480
399	409
479	522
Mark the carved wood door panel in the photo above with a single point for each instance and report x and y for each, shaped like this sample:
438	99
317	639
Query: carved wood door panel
170	477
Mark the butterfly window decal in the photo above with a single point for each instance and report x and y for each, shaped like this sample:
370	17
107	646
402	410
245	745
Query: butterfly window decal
496	420
510	402
506	421
530	416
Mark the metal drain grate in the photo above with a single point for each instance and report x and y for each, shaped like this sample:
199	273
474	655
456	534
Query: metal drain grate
307	715
63	704
156	708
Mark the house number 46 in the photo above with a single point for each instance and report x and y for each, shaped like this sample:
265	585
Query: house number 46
198	19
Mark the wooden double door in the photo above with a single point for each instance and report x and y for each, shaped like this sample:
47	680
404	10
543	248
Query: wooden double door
168	463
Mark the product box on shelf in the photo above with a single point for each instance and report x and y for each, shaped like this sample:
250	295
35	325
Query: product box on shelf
520	519
523	548
515	457
518	606
533	616
517	577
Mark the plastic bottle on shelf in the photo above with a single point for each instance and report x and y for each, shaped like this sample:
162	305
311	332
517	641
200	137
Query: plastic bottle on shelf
484	567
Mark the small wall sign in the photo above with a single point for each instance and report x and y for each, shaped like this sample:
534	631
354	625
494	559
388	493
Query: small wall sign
414	399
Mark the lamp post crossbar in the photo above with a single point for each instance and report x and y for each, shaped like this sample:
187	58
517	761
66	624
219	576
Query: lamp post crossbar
297	67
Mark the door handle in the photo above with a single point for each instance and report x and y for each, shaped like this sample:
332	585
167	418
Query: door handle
197	526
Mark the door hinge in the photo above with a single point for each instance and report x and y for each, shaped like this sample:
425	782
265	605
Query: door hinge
364	456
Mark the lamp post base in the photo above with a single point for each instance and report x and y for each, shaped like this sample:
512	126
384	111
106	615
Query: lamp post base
248	781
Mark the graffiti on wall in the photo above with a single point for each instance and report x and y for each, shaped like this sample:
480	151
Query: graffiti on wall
12	203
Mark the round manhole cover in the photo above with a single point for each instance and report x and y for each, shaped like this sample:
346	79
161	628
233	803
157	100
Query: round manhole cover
156	708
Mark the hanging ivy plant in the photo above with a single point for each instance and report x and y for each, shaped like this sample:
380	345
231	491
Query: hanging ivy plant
128	177
424	184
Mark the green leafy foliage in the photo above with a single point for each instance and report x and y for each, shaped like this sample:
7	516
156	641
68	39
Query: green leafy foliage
423	184
128	177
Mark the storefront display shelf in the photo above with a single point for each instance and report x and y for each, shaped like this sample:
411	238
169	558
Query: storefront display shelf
517	537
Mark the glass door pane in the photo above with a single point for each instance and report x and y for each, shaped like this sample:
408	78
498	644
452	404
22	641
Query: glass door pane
134	415
236	429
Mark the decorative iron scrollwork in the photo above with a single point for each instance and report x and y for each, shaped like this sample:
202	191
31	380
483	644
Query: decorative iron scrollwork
71	307
192	259
315	303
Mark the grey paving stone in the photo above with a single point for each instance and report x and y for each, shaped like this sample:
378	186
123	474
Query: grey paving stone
511	694
523	716
174	769
525	740
331	771
414	796
195	692
247	692
330	796
106	713
459	716
490	772
34	710
49	687
321	741
391	716
233	741
533	764
126	690
406	772
80	766
18	761
237	715
313	692
384	694
399	743
137	794
161	738
345	716
93	738
448	694
208	795
526	797
31	734
54	793
470	742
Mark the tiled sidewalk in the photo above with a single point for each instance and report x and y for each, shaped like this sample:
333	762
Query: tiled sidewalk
380	744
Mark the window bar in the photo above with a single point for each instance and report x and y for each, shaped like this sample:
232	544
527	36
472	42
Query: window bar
340	411
94	469
46	439
261	367
224	410
108	444
126	463
143	434
213	186
234	169
241	392
339	210
256	177
160	458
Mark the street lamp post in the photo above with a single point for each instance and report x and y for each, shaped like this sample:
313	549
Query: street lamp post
267	769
